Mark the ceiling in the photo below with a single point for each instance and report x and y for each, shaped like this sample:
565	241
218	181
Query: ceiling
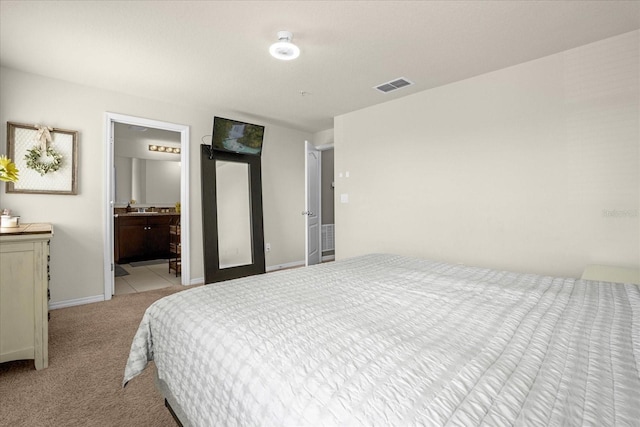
131	133
133	141
214	54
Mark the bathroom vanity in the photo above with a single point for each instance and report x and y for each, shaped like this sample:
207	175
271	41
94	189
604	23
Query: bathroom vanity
142	236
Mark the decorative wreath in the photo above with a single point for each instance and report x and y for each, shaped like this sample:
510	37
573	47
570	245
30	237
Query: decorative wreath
33	160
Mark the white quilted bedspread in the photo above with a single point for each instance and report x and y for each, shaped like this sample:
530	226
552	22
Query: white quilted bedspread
387	340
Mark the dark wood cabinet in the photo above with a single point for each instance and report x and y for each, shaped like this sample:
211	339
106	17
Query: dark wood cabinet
141	237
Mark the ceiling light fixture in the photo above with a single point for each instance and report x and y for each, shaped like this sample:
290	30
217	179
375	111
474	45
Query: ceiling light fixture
284	49
161	149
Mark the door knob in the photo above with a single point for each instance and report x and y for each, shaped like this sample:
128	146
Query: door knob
309	213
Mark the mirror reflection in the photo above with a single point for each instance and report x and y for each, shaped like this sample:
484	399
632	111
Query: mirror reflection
234	214
154	182
149	177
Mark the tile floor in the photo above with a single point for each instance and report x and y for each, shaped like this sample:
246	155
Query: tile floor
145	278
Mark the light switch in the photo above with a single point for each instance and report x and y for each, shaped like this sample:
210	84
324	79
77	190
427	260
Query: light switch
346	174
344	198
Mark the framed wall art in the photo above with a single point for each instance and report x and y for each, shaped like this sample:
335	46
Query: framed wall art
46	158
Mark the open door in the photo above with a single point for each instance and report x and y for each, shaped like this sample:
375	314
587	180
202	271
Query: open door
110	282
312	210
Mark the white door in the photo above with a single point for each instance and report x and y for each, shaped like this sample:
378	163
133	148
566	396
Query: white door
313	239
110	281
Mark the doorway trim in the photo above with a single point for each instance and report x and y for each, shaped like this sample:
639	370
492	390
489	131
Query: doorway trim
183	130
320	148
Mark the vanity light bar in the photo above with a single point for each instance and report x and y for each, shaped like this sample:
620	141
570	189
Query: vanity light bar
163	149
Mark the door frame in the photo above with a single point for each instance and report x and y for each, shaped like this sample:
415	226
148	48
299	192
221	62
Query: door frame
110	120
312	183
306	198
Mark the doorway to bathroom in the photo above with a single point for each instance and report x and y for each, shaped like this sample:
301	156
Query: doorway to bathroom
136	168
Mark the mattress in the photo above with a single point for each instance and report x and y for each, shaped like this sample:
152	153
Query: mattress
390	340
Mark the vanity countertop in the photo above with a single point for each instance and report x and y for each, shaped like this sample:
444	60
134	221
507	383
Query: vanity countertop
148	214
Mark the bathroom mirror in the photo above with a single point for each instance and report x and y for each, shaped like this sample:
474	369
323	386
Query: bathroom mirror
232	215
147	181
149	177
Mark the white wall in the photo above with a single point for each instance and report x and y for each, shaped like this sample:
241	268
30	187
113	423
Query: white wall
77	247
530	168
324	137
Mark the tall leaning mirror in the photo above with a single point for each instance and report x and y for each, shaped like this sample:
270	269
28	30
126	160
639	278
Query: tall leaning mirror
233	232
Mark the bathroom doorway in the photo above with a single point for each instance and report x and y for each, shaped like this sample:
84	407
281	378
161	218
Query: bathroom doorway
117	182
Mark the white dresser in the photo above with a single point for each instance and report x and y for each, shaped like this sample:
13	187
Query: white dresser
24	302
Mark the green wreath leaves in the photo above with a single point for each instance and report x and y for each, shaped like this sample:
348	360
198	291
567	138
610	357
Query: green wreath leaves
33	160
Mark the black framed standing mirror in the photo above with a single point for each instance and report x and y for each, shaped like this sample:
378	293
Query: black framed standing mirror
233	233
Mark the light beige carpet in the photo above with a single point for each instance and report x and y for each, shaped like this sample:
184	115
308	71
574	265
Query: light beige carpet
88	349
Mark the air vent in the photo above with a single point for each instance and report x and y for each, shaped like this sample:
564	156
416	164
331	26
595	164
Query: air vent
393	85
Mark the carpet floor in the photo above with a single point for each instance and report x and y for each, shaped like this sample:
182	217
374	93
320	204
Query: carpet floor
88	349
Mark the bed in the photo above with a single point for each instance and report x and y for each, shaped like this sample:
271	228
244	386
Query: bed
390	340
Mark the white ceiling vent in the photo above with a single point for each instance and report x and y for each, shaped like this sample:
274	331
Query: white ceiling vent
393	85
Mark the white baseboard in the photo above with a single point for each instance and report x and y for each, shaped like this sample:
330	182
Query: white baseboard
296	264
196	281
200	280
283	266
78	301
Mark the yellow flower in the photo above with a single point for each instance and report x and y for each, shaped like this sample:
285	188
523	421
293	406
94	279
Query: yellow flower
8	170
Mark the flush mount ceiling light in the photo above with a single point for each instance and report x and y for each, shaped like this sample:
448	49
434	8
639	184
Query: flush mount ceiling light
284	49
